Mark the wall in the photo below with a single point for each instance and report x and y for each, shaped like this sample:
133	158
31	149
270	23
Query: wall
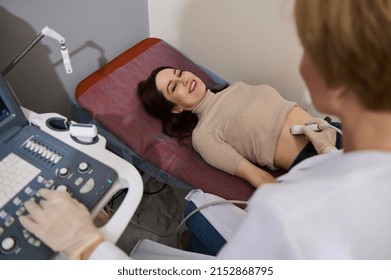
250	40
95	31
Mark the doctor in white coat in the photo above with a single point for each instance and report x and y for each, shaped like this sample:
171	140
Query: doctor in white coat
332	206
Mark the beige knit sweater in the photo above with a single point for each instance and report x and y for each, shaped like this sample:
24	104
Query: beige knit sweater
240	121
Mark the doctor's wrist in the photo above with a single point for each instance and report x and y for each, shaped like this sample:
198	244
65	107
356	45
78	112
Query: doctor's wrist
91	248
328	149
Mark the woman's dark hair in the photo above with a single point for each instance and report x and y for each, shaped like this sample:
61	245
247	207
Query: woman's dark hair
175	125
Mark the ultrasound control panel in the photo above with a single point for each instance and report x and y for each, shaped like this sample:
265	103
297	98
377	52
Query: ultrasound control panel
41	161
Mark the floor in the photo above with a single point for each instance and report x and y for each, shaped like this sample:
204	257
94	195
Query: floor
161	211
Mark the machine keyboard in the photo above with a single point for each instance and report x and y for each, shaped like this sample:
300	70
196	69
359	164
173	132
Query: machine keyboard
35	161
15	174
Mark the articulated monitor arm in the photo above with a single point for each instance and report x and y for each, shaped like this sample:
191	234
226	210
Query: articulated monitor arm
46	31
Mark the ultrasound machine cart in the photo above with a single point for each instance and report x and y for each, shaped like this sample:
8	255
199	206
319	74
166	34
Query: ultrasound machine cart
57	160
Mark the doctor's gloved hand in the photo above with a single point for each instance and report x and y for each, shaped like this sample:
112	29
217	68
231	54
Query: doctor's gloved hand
323	141
62	223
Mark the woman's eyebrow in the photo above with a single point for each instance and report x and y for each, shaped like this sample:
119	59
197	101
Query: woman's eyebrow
169	83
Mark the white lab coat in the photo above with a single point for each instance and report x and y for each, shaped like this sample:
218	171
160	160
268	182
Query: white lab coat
334	206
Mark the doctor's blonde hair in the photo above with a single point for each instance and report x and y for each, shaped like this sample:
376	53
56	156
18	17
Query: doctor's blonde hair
349	42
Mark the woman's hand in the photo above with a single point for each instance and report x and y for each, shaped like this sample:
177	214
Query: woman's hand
323	141
62	223
253	174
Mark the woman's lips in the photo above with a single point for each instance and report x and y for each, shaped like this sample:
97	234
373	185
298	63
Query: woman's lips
193	86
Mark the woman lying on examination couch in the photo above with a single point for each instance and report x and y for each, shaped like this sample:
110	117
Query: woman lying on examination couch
236	129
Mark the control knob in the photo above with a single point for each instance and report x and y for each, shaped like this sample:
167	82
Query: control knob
8	244
83	167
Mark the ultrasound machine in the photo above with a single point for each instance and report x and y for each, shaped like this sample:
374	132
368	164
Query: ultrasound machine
35	154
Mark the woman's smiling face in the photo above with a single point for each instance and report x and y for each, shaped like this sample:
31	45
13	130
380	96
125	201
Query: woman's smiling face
182	88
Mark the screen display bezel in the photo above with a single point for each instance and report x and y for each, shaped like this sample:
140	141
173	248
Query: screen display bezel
15	118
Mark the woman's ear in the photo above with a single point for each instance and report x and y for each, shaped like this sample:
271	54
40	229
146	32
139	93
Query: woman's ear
338	90
176	110
339	96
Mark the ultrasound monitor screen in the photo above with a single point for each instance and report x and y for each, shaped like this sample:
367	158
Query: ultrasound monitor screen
11	114
4	112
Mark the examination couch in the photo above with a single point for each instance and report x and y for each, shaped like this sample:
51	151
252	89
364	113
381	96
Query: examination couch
109	97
